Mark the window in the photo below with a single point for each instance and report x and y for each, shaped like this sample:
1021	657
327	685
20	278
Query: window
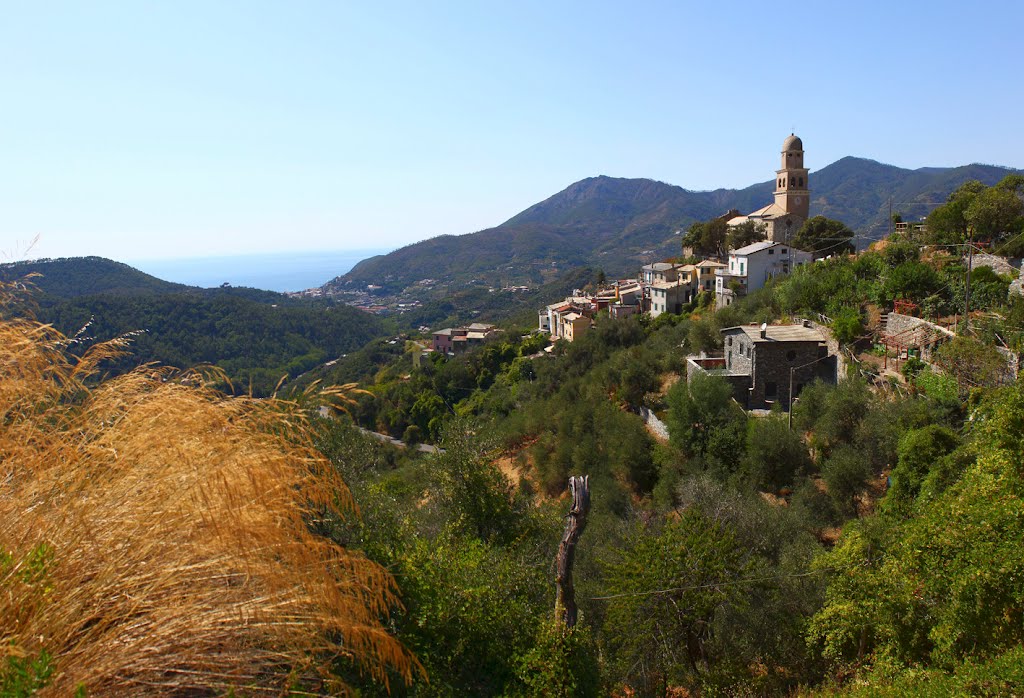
784	250
728	341
771	389
771	251
741	267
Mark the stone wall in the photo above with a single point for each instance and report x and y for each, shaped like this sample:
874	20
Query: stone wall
833	348
715	366
738	352
772	364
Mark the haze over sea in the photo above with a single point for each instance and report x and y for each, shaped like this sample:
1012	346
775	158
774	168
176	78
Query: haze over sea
284	271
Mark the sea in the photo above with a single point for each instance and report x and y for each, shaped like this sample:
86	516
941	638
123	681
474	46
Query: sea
280	271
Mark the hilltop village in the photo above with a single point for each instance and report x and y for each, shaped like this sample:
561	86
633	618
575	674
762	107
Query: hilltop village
840	424
767	365
667	287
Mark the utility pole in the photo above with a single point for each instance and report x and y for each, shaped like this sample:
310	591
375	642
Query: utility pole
575	522
967	295
790	398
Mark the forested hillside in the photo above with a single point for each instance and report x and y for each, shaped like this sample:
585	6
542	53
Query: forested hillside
84	276
866	543
869	547
256	337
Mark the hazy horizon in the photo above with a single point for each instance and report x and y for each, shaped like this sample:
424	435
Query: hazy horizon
279	271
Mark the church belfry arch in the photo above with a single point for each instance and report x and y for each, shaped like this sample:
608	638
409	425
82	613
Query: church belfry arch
792	193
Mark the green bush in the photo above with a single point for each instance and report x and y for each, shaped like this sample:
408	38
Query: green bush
848	325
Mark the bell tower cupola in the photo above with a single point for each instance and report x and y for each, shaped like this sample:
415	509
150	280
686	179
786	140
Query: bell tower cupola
792	190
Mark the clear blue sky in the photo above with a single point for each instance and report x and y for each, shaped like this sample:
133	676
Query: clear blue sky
140	130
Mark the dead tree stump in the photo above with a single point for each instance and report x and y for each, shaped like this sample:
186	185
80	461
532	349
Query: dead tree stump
575	522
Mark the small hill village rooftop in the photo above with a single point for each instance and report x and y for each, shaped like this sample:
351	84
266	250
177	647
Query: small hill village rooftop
664	287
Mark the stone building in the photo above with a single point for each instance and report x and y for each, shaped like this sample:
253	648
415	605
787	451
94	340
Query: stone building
761	362
783	217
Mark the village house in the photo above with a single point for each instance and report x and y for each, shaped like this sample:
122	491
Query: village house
763	363
658	271
555	319
455	340
752	266
569	318
573	325
706	274
670	286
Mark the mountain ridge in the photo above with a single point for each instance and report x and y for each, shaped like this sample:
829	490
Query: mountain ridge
620	223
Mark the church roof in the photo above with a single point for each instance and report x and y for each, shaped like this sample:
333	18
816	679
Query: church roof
770	211
792	143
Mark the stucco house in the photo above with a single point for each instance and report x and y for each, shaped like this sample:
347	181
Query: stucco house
706	274
455	340
750	267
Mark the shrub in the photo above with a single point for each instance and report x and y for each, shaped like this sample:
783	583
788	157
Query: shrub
177	523
848	325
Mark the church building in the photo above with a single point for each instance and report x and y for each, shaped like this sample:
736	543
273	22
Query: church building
784	217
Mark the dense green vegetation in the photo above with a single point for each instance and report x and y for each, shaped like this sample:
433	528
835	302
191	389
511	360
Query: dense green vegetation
990	215
256	337
871	544
872	547
84	276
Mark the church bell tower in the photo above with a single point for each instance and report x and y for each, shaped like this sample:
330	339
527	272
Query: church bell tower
792	190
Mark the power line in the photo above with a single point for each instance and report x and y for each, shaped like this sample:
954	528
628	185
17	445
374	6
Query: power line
696	587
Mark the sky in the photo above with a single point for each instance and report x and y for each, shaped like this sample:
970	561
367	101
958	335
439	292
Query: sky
148	130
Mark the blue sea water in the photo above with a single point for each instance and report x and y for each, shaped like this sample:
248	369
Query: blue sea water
284	271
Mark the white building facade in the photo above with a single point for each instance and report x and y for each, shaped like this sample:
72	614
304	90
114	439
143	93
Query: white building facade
749	268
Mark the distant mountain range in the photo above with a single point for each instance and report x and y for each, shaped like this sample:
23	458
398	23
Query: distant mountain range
618	224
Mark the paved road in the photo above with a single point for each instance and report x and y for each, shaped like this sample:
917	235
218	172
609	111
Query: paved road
422	448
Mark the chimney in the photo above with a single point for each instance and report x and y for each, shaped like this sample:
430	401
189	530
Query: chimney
764	330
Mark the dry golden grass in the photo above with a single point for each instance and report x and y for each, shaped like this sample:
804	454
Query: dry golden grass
177	521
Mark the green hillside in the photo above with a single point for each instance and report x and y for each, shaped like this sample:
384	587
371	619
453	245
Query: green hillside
255	336
867	546
85	276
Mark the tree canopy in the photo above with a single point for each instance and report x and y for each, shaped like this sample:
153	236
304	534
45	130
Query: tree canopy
823	236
